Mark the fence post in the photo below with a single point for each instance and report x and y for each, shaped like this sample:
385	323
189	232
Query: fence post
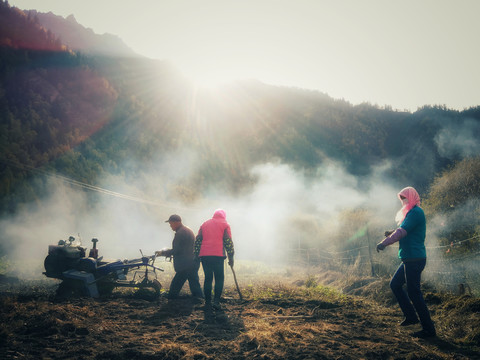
370	251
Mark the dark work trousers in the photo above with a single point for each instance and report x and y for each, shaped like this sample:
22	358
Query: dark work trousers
179	280
213	267
411	302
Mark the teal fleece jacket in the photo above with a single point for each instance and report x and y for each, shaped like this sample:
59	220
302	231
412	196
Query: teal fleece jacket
412	246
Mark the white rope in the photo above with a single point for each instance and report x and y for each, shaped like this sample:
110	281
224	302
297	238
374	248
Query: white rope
91	187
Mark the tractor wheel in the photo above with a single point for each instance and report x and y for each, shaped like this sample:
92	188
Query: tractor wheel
157	286
149	292
70	288
105	288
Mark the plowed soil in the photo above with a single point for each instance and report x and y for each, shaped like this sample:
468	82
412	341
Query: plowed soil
278	322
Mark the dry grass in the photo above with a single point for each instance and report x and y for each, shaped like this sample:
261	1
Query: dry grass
286	313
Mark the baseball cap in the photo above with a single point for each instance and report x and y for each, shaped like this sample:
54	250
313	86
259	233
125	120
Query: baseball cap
174	218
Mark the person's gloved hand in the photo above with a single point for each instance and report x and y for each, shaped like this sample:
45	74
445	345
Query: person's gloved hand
380	247
230	261
159	253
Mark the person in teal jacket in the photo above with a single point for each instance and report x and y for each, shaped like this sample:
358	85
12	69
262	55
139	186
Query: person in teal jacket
411	238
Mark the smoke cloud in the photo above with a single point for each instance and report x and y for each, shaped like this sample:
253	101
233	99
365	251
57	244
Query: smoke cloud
283	208
454	263
459	140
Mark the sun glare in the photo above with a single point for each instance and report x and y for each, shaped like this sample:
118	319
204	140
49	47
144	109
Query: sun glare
211	78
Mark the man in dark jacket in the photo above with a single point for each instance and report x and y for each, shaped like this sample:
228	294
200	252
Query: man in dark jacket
186	267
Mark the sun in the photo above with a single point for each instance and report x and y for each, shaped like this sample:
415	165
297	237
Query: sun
215	65
212	77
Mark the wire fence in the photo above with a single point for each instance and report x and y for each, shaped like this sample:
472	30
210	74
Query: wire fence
453	268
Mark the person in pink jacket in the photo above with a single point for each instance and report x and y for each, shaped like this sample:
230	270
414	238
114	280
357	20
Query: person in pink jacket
212	245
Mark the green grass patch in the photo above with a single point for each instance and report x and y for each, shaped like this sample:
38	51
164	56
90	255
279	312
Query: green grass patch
4	265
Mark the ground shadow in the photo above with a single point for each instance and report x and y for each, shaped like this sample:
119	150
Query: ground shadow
225	323
175	308
452	348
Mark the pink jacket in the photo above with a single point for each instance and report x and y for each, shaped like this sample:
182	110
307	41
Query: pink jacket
212	232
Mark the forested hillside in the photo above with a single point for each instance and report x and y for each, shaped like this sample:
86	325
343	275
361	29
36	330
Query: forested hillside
85	116
19	30
77	38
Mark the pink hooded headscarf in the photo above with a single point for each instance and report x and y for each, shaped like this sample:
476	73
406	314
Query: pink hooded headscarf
220	213
412	199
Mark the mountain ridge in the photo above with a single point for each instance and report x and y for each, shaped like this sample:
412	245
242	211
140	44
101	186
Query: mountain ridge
31	29
79	38
86	116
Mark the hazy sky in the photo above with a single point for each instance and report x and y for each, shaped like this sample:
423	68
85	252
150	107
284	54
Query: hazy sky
400	53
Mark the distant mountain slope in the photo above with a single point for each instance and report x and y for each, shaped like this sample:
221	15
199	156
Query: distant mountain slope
79	38
87	116
20	31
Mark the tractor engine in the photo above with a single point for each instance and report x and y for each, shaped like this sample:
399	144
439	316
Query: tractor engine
93	276
62	257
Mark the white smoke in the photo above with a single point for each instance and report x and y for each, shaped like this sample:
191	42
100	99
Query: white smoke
264	222
459	140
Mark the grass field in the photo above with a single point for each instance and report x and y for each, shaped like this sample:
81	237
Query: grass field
286	313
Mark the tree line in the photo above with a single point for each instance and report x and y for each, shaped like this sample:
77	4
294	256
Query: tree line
61	109
85	117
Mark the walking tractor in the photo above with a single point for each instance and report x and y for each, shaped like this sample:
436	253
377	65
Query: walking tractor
93	276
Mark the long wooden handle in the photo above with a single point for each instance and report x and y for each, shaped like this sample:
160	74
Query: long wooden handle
236	283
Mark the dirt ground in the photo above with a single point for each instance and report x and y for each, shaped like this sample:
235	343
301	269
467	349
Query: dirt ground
273	321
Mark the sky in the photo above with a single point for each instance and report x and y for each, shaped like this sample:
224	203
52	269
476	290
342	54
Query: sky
400	54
